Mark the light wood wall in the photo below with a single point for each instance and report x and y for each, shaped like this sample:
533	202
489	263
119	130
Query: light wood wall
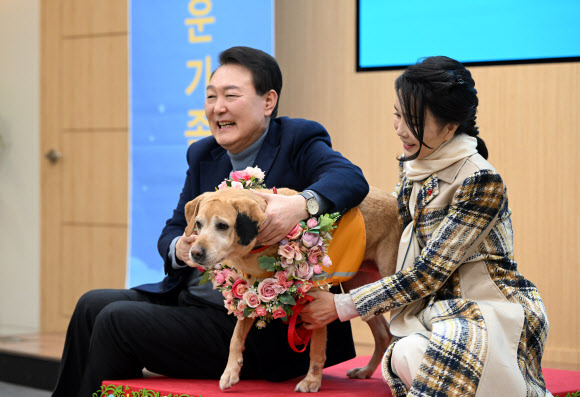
84	116
528	116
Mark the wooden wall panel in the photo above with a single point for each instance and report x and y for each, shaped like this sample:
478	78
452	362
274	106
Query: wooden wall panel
94	17
84	105
94	82
95	188
528	115
51	175
95	259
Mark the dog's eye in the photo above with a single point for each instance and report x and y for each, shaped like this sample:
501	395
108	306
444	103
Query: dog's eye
222	226
198	225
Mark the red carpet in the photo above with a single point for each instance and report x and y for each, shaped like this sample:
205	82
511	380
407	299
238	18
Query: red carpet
334	383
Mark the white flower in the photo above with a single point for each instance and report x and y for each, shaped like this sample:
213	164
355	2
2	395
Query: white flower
255	172
237	185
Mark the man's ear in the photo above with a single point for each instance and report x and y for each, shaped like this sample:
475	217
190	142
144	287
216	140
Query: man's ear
271	99
190	211
248	221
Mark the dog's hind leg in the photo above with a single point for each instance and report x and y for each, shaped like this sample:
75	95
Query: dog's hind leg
368	273
231	375
380	329
311	383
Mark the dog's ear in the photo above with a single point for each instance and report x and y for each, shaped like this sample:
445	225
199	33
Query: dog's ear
248	221
190	210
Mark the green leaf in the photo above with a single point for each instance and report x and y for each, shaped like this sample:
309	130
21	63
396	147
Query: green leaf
205	277
267	263
248	311
326	221
287	299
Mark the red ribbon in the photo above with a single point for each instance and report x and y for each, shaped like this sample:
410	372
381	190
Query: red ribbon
300	335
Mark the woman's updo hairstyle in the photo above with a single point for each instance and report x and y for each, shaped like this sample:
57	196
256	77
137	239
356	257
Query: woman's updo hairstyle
445	87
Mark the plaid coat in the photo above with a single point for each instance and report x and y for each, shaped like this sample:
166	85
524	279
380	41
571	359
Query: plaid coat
452	208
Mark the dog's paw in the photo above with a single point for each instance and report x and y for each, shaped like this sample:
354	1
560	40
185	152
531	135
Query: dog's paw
359	373
308	386
229	378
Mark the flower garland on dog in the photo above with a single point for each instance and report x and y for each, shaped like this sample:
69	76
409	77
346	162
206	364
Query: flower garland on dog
302	257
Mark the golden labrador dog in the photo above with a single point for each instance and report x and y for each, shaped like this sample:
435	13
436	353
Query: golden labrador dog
227	223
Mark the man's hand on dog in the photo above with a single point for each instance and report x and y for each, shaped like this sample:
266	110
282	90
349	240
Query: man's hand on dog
282	214
182	248
320	312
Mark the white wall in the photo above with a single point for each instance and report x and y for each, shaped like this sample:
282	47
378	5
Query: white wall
19	166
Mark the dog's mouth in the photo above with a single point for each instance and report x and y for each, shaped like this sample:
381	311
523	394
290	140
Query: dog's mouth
225	124
205	262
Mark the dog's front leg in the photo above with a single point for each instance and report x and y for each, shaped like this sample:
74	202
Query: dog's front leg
311	383
231	375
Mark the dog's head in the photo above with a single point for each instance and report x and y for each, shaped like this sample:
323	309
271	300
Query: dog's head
227	223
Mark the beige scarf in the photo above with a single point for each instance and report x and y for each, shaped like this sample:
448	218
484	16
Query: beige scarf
458	148
450	152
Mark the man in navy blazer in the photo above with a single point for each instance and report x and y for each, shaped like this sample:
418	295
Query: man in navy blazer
178	327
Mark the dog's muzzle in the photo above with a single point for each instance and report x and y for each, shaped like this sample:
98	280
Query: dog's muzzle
197	255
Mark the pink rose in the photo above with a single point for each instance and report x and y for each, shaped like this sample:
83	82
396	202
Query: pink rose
239	314
220	278
312	222
282	278
267	289
326	261
261	311
294	233
278	312
303	271
261	324
314	255
310	239
290	251
237	185
285	262
223	185
239	288
240	175
251	298
228	295
229	304
241	305
317	269
304	288
230	276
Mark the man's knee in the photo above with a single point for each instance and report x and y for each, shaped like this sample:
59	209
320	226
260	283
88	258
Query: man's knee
91	303
116	314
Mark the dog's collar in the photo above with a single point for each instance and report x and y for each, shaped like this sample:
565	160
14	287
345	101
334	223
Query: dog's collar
260	249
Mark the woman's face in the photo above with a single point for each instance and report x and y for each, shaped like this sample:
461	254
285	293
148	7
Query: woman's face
434	134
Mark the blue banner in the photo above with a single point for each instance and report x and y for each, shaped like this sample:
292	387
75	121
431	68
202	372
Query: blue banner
174	47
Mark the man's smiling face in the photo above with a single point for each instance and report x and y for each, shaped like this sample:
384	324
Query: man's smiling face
237	115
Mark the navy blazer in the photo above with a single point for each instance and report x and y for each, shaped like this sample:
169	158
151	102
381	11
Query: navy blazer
296	153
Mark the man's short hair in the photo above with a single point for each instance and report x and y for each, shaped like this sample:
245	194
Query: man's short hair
266	74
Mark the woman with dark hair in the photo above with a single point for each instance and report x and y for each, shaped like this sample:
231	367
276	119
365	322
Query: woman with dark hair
464	319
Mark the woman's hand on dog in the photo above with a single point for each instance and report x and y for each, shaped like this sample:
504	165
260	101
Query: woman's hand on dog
320	312
282	214
183	246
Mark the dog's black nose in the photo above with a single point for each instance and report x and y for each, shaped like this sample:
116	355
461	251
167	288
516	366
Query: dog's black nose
197	254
